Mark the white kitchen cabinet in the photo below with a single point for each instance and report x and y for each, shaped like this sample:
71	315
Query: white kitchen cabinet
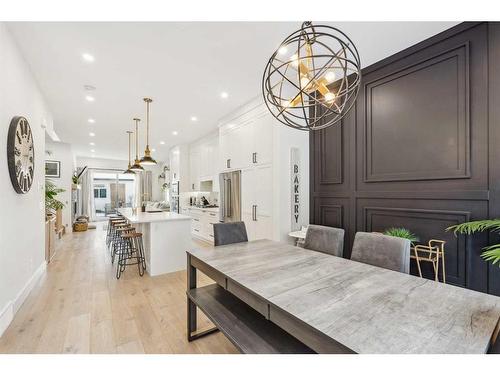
203	159
179	167
257	201
263	140
202	222
247	144
194	169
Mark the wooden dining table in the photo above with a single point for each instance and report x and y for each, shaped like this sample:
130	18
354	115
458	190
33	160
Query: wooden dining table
271	297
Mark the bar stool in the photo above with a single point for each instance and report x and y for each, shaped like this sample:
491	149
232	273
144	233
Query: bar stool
120	242
131	254
109	233
113	225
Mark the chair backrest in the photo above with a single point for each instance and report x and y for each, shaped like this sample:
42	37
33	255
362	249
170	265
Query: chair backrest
228	233
326	240
383	251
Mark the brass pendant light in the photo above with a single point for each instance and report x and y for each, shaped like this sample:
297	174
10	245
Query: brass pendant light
137	166
147	159
129	171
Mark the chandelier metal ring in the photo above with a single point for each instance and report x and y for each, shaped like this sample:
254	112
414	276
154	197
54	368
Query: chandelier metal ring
312	80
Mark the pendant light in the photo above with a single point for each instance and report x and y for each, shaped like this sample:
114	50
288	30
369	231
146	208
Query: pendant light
129	171
137	166
312	80
147	159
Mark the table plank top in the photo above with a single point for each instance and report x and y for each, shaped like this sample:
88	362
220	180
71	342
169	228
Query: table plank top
368	309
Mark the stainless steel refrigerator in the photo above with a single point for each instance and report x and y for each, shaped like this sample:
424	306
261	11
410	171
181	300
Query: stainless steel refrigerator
230	196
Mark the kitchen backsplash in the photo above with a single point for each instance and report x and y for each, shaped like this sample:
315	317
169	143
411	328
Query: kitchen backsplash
211	196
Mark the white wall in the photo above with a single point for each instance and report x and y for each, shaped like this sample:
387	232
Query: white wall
22	222
62	152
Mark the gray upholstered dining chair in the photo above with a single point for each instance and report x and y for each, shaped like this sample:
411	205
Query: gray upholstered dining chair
383	251
326	240
228	233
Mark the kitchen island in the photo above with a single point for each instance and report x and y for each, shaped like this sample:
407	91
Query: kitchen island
166	237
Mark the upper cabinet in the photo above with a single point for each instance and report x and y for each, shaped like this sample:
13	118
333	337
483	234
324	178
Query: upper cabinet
203	161
246	142
179	167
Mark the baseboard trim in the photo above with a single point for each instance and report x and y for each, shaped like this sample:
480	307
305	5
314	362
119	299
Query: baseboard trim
12	307
6	317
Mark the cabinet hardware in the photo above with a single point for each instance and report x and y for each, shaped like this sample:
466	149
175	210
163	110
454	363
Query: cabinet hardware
211	235
254	158
193	186
228	163
212	214
254	212
196	230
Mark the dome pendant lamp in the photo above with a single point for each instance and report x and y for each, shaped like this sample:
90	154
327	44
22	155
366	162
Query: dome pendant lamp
147	159
129	171
137	166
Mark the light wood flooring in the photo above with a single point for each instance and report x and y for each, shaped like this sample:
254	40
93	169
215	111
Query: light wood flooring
80	307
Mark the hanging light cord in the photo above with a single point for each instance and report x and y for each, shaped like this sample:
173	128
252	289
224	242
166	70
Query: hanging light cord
136	138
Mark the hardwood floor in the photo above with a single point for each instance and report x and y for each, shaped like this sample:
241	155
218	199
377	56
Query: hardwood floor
80	307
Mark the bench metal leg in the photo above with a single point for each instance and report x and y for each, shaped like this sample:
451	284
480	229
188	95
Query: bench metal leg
191	307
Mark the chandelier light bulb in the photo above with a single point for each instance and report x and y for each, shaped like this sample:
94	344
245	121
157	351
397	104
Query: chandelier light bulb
295	60
330	76
329	96
283	50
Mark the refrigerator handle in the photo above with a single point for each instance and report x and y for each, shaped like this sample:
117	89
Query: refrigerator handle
230	196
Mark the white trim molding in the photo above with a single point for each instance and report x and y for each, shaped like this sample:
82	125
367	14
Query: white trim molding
12	307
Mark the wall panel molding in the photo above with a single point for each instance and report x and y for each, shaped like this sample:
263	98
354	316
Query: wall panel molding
432	114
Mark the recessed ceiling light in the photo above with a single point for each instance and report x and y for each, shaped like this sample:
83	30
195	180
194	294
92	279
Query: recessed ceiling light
153	150
91	121
92	144
162	142
224	95
92	150
88	57
175	132
92	134
194	118
89	98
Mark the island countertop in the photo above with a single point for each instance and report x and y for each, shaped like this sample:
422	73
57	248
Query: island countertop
151	217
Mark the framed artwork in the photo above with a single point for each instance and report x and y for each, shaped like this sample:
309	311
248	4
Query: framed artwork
52	168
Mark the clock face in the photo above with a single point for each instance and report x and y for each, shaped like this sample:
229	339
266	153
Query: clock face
21	154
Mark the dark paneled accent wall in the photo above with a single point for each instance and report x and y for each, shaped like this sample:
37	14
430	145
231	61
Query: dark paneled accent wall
420	150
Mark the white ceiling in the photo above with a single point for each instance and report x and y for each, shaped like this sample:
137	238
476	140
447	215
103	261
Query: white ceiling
183	66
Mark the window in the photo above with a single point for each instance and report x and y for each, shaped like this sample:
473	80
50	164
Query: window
102	193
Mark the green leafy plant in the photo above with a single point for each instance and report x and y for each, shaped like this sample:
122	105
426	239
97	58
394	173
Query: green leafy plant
402	233
490	253
51	203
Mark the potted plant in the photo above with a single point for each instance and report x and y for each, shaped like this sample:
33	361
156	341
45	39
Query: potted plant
51	203
490	253
402	233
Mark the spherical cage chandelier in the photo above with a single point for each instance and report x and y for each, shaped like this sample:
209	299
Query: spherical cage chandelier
312	81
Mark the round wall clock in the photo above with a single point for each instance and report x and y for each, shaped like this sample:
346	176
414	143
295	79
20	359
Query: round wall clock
21	154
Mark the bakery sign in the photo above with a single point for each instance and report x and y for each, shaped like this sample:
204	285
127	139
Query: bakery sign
295	187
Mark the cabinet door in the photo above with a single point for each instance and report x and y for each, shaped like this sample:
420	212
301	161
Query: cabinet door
174	165
245	140
263	178
263	140
263	228
224	149
249	225
248	183
263	202
194	168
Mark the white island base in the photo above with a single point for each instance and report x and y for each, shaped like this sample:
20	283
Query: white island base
166	237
